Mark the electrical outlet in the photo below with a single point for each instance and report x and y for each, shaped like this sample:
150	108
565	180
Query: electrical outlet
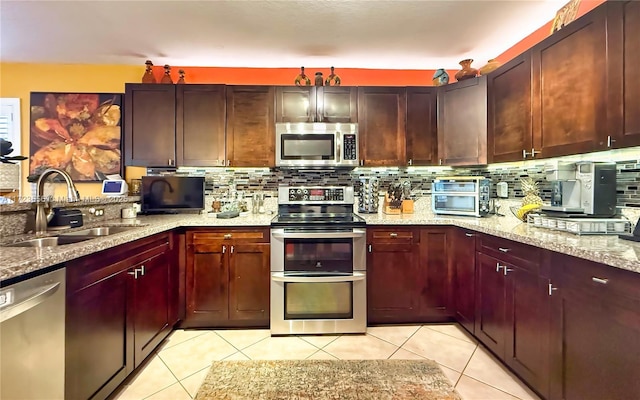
98	212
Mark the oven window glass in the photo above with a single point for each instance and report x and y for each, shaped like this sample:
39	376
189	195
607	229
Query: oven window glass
454	187
308	147
319	255
322	300
455	203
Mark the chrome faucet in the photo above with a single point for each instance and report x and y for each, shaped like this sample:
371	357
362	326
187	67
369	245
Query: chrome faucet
42	217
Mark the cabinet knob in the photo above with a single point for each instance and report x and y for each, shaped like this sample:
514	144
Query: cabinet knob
503	249
370	248
170	162
142	270
227	236
469	234
393	235
440	161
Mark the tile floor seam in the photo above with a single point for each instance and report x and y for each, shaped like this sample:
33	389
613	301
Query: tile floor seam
232	345
466	365
160	390
184	341
493	387
319	348
189	376
399	346
435	330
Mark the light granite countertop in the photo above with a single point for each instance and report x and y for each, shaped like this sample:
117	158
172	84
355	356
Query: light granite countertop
605	249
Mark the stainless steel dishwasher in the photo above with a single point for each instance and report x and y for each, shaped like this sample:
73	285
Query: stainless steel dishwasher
32	317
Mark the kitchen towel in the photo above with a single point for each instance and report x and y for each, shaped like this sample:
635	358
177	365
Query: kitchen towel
326	379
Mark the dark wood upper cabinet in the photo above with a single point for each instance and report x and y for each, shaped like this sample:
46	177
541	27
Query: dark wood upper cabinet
623	30
150	124
316	104
421	126
570	88
381	120
462	122
250	126
200	125
509	111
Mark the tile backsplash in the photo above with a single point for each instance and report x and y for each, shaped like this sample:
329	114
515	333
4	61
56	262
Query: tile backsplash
268	180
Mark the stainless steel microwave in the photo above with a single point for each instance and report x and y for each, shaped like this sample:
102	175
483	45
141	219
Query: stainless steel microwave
316	145
461	195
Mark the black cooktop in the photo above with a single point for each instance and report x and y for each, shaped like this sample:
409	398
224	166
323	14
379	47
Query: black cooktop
325	219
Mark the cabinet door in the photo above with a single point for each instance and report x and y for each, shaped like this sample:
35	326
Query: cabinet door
509	111
99	338
381	119
336	104
435	277
392	268
249	280
200	125
207	288
250	126
295	104
595	331
623	30
151	305
462	253
570	88
490	303
150	123
462	122
527	320
421	129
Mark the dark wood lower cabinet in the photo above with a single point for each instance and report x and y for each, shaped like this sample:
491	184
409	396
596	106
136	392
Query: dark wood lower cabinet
435	275
462	255
227	278
118	310
595	331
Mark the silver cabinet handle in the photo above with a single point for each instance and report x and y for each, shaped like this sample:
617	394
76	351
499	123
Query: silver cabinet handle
610	141
142	270
504	250
370	248
602	281
551	289
224	249
393	235
469	234
32	299
134	273
524	153
410	162
532	154
227	236
231	249
505	270
499	267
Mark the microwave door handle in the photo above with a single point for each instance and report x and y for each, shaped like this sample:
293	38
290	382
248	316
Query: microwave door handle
317	235
338	139
280	277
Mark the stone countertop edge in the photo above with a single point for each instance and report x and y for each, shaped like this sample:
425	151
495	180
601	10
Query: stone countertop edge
605	249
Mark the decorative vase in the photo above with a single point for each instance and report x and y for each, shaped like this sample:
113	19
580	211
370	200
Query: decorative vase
440	77
466	72
148	76
302	77
490	66
319	81
166	78
332	78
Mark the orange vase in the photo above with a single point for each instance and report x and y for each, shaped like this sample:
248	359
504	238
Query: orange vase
466	72
492	65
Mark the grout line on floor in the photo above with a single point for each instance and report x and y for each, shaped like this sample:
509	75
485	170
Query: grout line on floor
493	387
319	348
466	365
455	337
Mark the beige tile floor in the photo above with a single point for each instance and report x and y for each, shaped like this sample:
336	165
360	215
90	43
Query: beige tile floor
179	365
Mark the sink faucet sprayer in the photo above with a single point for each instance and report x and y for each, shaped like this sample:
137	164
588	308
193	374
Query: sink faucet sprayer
43	218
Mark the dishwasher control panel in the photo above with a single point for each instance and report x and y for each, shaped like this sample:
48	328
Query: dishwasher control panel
7	298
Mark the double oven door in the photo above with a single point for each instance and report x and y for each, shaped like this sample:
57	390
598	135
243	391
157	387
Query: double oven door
318	281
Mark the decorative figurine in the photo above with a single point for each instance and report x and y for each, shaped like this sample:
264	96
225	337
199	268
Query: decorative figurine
166	78
319	80
302	77
180	76
466	72
148	73
490	66
332	77
440	77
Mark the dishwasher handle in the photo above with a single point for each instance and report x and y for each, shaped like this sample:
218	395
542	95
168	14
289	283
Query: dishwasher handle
30	300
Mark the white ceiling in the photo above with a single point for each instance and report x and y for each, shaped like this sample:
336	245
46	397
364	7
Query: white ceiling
424	34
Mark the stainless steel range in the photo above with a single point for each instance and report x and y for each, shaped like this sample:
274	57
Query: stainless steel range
318	262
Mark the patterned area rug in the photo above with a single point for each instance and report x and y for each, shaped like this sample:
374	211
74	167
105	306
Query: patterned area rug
326	379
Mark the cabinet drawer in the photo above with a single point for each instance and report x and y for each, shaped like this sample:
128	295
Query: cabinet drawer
509	251
594	276
206	236
392	236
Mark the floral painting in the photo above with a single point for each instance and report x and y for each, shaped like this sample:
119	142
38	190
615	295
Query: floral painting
76	132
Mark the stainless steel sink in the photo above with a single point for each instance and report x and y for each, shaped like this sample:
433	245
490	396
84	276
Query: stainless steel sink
50	241
100	231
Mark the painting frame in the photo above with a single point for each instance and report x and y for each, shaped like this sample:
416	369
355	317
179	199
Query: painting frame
78	132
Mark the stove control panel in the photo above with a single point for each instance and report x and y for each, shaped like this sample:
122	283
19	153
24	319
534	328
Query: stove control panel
315	195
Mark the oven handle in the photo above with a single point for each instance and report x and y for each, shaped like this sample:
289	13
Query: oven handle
280	234
280	277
